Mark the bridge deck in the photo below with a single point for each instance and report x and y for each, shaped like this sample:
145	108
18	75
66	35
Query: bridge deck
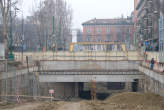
89	75
88	72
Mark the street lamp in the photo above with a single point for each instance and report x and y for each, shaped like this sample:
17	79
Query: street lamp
11	56
22	37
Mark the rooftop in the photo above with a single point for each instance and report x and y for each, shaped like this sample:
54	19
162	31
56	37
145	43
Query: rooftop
121	21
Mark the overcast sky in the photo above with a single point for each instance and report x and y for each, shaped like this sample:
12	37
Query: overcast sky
84	10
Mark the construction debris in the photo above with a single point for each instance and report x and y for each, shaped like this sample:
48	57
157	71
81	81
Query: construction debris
124	101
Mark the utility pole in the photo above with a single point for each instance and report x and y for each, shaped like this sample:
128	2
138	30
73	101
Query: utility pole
60	40
11	56
53	34
6	81
53	25
22	35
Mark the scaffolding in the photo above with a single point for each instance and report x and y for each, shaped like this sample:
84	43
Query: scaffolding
161	39
17	84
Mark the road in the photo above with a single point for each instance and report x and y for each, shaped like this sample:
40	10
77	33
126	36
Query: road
52	106
71	106
28	106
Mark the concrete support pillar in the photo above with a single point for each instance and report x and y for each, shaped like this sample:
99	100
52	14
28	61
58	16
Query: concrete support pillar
128	86
76	90
80	88
141	85
158	90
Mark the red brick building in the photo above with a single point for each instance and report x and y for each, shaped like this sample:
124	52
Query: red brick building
108	30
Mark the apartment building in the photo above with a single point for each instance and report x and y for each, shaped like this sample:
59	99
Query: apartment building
109	30
147	23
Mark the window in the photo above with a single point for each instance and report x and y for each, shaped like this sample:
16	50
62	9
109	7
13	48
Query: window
108	29
98	29
89	30
119	36
99	39
129	30
161	46
108	38
89	38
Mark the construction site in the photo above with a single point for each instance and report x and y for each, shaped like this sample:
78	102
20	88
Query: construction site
81	81
113	64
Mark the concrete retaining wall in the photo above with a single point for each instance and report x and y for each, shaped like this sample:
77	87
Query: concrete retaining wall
118	55
94	65
89	78
62	90
153	81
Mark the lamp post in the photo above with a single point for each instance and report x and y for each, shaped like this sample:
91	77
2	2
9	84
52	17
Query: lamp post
11	56
22	39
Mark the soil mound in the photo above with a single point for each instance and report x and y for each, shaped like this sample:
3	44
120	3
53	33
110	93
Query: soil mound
134	101
137	98
124	101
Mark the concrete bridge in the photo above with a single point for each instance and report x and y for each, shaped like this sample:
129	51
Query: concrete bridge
114	66
89	76
87	71
77	70
83	66
68	69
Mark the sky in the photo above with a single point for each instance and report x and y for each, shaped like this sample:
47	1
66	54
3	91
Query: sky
84	10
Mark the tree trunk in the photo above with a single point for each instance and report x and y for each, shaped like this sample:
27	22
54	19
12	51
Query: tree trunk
5	39
6	48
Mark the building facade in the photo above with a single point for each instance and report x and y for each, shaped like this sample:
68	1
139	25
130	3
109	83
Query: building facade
147	23
135	19
79	36
108	30
0	26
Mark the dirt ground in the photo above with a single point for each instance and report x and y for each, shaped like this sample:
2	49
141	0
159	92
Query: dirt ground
123	101
27	106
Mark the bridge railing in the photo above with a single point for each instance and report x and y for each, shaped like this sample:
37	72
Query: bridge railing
154	55
157	66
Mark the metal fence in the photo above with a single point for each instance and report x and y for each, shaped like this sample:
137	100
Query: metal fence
2	51
3	65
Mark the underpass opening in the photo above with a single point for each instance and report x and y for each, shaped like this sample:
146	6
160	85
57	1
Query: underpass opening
116	85
135	85
87	95
105	90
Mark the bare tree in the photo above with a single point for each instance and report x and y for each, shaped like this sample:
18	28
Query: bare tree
5	8
43	18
